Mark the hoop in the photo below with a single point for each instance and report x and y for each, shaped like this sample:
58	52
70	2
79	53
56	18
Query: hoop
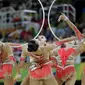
42	22
49	21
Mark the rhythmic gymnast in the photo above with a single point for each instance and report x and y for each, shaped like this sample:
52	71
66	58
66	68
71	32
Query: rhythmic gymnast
7	61
66	56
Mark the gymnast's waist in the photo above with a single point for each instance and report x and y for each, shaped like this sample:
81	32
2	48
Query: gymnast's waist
67	63
63	67
43	61
37	65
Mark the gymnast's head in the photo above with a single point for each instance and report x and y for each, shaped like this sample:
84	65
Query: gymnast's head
33	45
42	39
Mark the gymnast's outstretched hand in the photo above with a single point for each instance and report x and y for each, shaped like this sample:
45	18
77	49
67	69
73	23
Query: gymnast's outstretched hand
62	17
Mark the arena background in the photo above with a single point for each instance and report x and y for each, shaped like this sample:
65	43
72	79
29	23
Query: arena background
21	20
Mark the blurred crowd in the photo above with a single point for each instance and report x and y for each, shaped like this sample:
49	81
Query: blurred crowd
21	34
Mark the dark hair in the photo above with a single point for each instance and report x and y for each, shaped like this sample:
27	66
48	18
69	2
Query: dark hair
32	46
63	46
